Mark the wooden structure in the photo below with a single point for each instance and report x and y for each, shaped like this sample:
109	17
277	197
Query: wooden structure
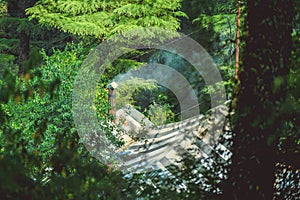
150	147
112	97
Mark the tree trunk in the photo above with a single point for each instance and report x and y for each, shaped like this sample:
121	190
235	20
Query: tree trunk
16	8
262	90
23	50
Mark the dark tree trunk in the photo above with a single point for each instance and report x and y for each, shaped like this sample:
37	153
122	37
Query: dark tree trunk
263	78
16	8
24	48
23	51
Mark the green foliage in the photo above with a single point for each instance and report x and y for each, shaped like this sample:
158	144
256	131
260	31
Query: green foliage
228	82
18	34
40	145
128	88
224	30
160	114
9	46
3	8
213	25
41	155
8	71
195	79
103	18
42	108
289	142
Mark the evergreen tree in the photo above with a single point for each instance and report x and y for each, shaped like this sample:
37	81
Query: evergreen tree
16	12
101	18
21	39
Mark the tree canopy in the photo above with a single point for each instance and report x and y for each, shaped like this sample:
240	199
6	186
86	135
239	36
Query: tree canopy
101	19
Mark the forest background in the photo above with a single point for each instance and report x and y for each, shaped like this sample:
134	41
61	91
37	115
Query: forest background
43	44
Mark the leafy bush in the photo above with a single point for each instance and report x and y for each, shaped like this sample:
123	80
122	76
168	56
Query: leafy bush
41	153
